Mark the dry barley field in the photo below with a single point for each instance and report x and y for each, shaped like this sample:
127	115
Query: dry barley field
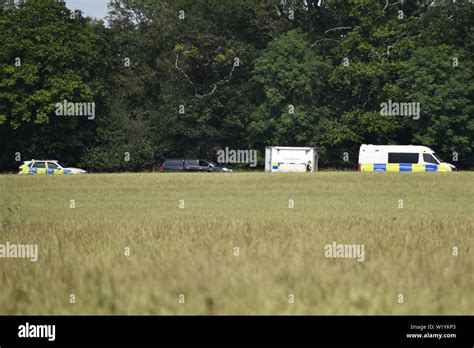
238	243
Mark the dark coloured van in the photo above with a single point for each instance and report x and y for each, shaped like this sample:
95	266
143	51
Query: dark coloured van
191	165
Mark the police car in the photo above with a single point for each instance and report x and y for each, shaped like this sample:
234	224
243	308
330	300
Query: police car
47	167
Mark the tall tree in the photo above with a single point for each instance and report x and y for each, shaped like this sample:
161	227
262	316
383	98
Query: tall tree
48	54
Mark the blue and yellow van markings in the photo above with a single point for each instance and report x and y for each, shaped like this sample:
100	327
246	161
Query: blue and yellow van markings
276	165
403	167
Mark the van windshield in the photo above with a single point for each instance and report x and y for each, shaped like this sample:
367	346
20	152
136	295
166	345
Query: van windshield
437	158
429	158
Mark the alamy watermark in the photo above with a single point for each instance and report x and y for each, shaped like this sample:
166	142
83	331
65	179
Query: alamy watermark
391	108
28	330
237	156
355	251
20	251
67	108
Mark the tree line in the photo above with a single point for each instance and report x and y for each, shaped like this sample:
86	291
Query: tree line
183	78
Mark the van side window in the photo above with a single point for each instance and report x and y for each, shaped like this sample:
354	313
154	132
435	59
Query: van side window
429	159
401	157
191	162
203	164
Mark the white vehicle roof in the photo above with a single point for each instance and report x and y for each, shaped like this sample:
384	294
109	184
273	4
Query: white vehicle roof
289	148
42	160
396	148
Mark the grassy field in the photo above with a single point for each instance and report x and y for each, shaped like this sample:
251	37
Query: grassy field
409	224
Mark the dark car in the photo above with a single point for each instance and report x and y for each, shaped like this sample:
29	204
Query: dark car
191	165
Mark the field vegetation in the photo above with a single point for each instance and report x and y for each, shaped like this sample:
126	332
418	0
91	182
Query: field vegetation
182	231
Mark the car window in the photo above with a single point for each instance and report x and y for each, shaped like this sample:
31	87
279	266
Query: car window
52	165
203	164
192	162
429	159
39	165
174	163
403	157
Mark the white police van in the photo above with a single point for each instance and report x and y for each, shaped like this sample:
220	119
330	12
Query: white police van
400	158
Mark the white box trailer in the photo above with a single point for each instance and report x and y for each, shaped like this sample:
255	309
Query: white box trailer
282	159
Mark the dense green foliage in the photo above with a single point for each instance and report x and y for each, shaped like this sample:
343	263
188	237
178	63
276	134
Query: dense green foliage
187	78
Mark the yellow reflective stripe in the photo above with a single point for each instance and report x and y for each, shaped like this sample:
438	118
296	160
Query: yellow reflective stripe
393	167
444	168
418	168
367	167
